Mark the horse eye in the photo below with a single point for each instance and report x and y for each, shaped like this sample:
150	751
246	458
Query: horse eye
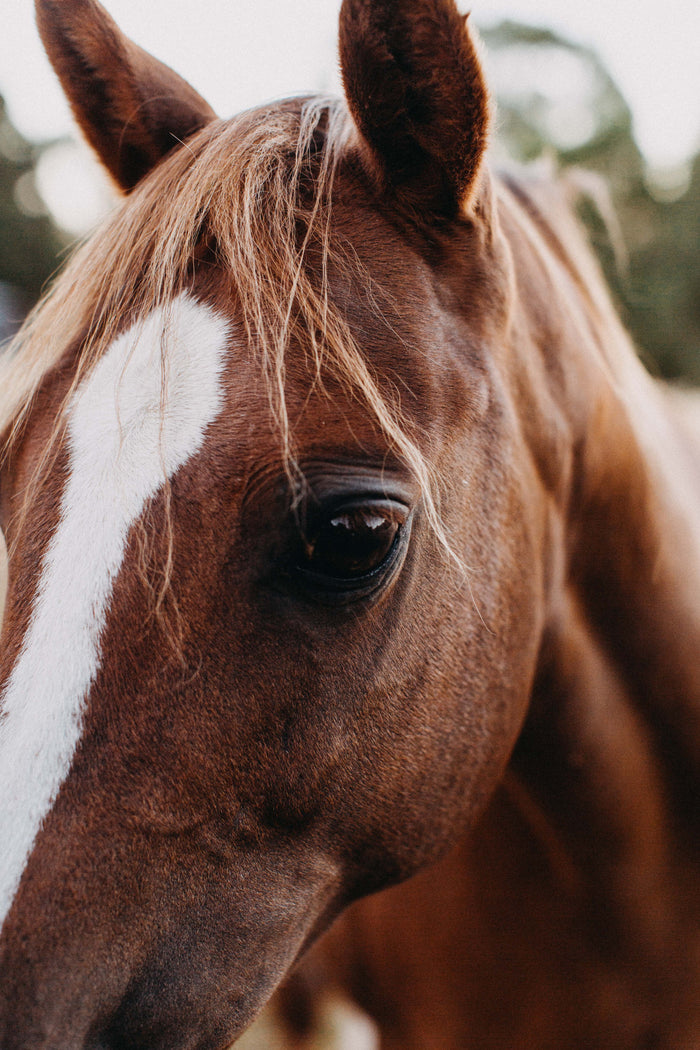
355	540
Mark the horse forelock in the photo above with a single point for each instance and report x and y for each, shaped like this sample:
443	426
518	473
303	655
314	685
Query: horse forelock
257	193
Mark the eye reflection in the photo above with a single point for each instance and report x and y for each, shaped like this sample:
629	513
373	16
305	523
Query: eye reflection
356	540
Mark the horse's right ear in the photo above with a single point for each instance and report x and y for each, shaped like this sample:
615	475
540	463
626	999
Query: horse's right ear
417	94
131	108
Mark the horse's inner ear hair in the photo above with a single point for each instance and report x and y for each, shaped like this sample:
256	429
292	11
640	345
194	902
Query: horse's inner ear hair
417	94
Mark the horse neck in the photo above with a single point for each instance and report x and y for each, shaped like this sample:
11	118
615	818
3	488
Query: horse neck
630	600
610	754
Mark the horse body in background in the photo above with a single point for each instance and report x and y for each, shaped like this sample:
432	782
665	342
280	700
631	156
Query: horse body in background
342	519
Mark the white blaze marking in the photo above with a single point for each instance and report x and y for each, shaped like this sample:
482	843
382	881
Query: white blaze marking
132	422
3	576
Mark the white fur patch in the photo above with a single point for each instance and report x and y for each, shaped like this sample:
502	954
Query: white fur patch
3	576
355	1030
132	422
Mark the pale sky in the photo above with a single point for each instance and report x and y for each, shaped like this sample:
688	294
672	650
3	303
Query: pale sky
238	53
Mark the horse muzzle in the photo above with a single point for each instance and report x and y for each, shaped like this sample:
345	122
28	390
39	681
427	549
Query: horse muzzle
185	960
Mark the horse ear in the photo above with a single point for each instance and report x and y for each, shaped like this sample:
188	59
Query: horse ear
416	91
132	109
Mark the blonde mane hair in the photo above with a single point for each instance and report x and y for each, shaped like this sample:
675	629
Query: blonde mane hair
247	186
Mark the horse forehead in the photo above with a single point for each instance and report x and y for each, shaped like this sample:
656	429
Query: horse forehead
413	306
139	416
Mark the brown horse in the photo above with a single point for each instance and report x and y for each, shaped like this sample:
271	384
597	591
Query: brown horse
341	519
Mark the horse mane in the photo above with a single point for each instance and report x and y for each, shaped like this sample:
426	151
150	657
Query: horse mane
545	213
257	191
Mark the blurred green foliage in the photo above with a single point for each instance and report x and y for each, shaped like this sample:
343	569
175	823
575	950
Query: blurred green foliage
29	240
556	101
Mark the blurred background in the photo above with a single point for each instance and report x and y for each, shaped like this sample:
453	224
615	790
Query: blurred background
603	88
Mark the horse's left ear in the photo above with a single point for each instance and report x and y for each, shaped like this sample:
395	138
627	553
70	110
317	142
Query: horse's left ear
132	109
415	88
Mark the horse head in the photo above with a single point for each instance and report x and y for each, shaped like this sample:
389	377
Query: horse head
276	533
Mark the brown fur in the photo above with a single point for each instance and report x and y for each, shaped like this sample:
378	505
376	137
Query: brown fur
416	93
410	329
